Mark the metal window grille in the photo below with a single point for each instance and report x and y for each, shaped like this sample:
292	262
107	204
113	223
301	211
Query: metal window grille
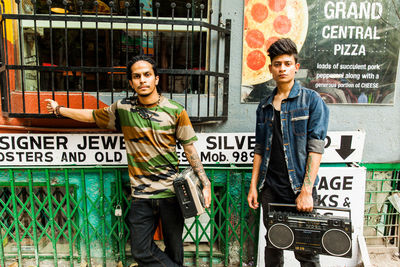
76	51
381	221
66	216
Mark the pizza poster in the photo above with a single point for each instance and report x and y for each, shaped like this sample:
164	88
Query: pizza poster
348	50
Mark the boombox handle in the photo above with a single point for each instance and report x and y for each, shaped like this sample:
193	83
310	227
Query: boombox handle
315	207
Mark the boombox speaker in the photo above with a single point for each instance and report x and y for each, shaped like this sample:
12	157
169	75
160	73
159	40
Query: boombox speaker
189	194
310	232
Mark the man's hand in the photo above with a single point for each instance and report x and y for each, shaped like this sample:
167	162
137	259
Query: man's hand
194	160
51	105
252	198
207	195
305	202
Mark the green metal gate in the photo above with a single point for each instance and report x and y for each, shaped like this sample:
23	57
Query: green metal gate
66	217
382	194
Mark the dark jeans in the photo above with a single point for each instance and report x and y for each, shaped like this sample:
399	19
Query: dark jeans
143	218
274	257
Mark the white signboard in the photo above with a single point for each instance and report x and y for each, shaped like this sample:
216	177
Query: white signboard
109	149
62	149
339	188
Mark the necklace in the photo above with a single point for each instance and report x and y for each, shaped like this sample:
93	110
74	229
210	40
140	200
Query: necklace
143	112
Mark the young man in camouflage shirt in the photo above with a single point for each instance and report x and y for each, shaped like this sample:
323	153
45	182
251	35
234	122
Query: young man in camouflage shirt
152	125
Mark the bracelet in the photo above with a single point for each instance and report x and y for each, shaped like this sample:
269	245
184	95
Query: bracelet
57	111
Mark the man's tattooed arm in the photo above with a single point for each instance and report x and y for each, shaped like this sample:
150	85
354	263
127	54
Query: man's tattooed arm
307	179
304	200
194	160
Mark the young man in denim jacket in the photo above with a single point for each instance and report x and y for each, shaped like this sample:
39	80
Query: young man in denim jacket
291	127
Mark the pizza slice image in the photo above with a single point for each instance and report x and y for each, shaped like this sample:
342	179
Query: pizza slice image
266	21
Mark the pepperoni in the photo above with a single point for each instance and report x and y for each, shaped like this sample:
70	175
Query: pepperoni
282	24
255	38
255	60
246	24
277	5
259	12
270	41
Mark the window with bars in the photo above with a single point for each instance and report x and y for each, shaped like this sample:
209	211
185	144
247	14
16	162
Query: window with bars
76	51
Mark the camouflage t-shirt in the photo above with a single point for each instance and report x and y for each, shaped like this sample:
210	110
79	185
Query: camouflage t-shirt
150	142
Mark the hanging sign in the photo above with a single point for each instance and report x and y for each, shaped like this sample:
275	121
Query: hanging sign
109	149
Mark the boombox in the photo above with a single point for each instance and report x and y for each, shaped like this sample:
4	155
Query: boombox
189	194
310	232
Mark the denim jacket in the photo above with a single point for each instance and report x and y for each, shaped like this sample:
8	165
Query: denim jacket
304	120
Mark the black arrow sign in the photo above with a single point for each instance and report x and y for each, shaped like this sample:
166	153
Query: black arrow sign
345	146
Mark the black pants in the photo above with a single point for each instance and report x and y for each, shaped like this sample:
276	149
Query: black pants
144	217
274	257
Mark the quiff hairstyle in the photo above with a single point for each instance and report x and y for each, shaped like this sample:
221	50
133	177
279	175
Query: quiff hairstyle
283	46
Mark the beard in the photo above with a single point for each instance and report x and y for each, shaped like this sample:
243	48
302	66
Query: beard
145	93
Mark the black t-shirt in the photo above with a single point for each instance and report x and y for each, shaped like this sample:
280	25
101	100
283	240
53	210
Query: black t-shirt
277	177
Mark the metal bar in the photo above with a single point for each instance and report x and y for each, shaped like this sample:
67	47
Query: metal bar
51	219
242	217
172	78
85	217
33	214
96	3
119	19
111	3
226	262
77	222
197	241
212	219
192	46
16	221
208	60
51	50
80	4
103	217
192	119
188	7
2	256
31	256
200	58
2	238
157	32
65	3
3	85
141	28
226	67
120	219
5	58
36	56
110	69
126	42
69	217
21	55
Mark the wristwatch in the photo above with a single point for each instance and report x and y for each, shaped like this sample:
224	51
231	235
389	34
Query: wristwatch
57	111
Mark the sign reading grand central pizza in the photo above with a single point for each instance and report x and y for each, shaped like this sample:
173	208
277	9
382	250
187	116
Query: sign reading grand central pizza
348	50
